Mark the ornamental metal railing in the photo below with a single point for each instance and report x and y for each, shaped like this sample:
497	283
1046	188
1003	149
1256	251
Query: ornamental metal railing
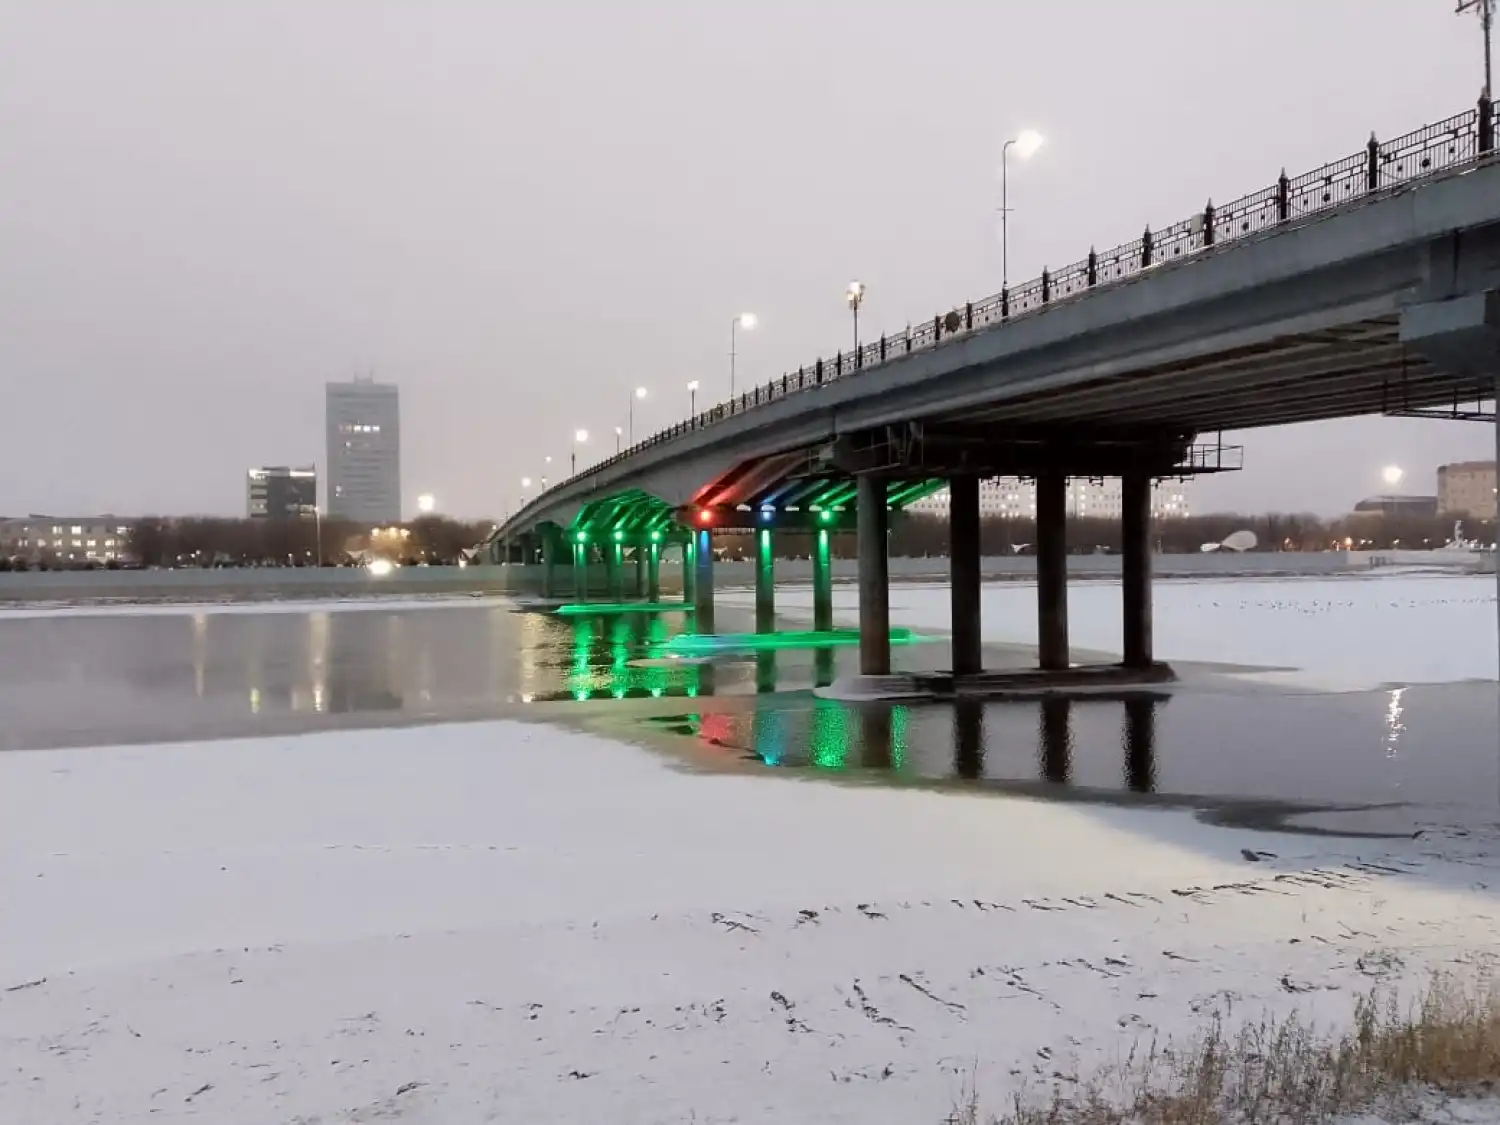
1379	168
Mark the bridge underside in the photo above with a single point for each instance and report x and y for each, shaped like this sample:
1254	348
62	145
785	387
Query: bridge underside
1358	368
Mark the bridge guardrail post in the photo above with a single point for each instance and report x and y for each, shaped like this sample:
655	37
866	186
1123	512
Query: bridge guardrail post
1005	304
1146	249
1093	268
1046	285
968	316
1372	164
838	363
1486	123
882	349
908	339
1208	224
820	371
937	329
1283	198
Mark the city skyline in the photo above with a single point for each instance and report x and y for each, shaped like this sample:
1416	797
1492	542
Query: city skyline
191	314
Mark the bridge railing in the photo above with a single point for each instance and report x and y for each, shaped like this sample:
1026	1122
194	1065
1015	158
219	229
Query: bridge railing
1377	168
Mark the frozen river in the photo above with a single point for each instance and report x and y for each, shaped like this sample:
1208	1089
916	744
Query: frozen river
308	891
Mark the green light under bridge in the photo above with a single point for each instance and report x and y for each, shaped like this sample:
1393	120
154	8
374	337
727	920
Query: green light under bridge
583	609
707	644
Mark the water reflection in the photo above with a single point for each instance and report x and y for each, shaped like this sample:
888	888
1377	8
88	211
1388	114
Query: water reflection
1055	739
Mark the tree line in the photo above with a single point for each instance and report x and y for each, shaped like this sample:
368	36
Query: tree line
208	542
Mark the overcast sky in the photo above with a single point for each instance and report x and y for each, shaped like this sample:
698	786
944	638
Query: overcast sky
519	210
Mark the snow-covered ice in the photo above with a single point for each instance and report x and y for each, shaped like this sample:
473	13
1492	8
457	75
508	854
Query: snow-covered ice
1347	633
509	922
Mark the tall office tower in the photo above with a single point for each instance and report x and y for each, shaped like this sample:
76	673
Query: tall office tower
364	452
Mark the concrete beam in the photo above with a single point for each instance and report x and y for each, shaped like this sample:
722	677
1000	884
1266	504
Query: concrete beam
1052	571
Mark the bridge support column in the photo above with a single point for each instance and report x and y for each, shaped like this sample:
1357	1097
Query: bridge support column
1135	530
653	571
1052	570
616	568
822	561
703	581
640	569
963	573
549	563
580	572
874	579
765	582
688	569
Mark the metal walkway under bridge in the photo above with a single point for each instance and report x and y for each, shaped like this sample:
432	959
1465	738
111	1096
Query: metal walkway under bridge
1369	285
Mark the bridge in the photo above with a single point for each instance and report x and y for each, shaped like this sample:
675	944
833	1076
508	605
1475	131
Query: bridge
1369	285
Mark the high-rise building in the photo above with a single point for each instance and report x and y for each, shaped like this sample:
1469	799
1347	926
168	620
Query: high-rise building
278	492
1015	498
1467	488
364	452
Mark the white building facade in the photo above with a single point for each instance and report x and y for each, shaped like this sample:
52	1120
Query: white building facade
1015	498
363	420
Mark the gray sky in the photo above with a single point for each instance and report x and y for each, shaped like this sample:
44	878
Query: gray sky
520	209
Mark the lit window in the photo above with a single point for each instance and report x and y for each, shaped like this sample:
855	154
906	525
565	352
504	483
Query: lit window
78	542
56	530
109	542
78	531
93	543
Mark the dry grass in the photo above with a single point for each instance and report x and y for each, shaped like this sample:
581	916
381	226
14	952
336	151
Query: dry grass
1284	1072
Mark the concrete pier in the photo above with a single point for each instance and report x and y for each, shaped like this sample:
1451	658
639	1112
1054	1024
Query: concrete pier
963	563
1135	515
653	572
1052	570
874	578
822	582
703	581
765	582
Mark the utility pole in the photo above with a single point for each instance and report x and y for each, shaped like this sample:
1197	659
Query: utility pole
1486	10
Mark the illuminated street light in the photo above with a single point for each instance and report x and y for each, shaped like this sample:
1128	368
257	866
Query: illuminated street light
693	399
1026	144
580	437
746	321
426	503
1392	475
619	432
855	295
640	392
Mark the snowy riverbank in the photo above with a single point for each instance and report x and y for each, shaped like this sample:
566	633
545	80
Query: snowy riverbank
507	922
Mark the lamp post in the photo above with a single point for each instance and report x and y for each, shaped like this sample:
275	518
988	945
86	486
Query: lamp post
1486	10
855	295
580	437
640	392
746	321
525	485
426	504
1025	144
619	432
693	399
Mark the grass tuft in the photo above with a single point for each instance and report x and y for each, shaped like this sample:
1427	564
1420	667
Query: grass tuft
1283	1071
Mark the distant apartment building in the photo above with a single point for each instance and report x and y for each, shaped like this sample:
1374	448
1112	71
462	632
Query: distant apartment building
1015	498
280	492
364	452
1467	489
65	539
1397	504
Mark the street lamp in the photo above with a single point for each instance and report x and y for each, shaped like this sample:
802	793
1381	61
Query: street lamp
640	392
746	321
426	503
693	399
855	295
580	437
1025	144
619	432
1486	10
1392	475
525	487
